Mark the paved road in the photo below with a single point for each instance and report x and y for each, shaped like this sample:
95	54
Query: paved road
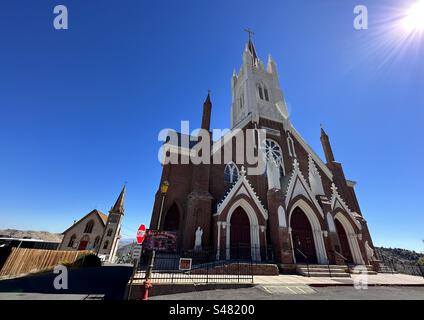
302	292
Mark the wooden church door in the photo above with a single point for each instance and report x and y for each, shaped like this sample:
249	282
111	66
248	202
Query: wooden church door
344	242
303	238
240	235
83	243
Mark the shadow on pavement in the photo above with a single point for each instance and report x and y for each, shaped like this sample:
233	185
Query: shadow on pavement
110	281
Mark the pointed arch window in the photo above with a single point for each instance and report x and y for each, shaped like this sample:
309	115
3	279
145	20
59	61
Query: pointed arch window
89	226
105	245
261	94
109	232
172	219
96	242
72	241
273	150
241	101
290	145
266	94
231	173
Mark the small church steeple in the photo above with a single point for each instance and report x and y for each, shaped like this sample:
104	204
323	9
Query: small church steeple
325	141
112	231
207	109
119	204
251	48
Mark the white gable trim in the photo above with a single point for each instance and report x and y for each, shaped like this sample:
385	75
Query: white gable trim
338	202
308	149
298	185
86	218
315	180
242	186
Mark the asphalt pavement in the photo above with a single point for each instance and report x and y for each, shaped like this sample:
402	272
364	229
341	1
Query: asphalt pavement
302	292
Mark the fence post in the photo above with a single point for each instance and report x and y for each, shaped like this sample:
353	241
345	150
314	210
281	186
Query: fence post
207	273
328	265
174	268
238	270
251	271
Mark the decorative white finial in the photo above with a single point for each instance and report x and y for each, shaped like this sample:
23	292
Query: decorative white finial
243	171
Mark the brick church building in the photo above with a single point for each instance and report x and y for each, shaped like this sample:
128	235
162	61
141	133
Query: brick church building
301	209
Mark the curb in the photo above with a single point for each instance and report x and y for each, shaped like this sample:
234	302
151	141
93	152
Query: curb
165	288
321	285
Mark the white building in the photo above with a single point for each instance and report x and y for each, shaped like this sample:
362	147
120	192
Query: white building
97	231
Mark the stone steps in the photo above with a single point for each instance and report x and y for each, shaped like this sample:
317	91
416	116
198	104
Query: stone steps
362	269
386	269
322	271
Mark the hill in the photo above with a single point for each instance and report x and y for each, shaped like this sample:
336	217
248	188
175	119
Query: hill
41	235
400	254
124	251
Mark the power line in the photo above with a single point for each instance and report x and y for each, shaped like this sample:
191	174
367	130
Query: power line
128	228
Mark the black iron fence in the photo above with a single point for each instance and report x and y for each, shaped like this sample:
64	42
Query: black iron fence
236	265
393	265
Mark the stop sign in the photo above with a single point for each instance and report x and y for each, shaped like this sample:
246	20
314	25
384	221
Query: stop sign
141	234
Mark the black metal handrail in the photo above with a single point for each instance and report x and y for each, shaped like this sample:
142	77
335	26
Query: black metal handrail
421	269
345	260
306	259
328	267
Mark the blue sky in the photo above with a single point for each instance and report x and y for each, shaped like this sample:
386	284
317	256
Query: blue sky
81	109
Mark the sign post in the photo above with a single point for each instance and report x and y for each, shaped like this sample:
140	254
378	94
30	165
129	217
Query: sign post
136	254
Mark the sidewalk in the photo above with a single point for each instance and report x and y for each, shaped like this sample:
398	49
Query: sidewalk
384	279
378	279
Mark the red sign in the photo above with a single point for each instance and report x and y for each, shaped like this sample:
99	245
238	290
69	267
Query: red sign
161	241
141	234
185	264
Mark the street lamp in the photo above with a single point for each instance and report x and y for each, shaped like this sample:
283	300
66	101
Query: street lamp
147	284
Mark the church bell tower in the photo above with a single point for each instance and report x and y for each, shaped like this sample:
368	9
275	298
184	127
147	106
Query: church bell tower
112	232
255	89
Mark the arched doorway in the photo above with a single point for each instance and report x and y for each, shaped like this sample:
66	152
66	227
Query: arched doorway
83	242
303	238
344	241
240	235
172	219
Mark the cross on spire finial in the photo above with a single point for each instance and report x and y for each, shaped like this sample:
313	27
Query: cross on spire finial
250	33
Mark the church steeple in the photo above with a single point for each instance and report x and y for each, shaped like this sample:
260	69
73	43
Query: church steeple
251	48
119	204
112	231
325	141
207	109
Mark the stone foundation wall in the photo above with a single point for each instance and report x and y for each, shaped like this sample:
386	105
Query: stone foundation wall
242	268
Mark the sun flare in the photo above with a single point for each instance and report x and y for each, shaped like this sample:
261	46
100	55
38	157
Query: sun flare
414	21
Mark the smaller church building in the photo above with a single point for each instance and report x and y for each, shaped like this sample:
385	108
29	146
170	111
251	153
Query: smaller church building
97	232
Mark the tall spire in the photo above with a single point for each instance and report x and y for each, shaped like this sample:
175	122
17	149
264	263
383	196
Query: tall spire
119	204
325	141
207	109
251	48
